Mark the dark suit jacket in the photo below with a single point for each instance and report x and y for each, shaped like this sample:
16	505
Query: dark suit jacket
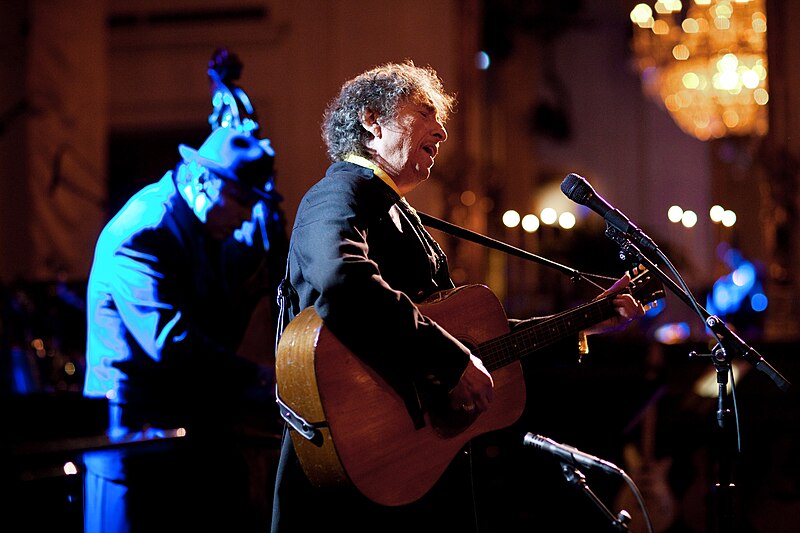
166	309
361	257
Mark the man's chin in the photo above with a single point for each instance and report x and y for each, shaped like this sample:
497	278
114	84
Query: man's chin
424	172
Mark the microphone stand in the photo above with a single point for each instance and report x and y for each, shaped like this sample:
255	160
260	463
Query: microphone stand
576	478
724	489
729	345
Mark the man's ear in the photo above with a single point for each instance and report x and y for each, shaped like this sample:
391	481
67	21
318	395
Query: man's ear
369	120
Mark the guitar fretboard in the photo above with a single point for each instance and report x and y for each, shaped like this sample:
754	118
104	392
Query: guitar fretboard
529	338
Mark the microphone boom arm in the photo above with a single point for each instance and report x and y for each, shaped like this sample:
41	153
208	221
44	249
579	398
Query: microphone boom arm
731	343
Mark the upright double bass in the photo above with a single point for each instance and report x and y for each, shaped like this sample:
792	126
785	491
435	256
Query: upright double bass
233	108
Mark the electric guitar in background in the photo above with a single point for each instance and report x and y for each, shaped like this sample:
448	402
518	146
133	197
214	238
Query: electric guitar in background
649	472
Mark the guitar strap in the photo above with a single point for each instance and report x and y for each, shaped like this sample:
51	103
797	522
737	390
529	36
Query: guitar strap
289	300
478	238
287	296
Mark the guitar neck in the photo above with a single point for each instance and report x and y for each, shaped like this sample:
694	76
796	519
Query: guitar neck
528	338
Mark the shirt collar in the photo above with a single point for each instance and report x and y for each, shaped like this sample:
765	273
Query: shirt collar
364	162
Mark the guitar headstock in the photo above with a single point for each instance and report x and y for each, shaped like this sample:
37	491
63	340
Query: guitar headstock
645	287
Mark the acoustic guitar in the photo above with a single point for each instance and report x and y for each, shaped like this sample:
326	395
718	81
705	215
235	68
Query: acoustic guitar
353	427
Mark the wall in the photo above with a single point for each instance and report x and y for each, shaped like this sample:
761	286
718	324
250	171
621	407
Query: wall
296	55
53	137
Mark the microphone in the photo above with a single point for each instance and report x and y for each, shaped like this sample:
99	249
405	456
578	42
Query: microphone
577	189
570	455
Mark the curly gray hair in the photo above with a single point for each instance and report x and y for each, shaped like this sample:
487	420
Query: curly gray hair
380	90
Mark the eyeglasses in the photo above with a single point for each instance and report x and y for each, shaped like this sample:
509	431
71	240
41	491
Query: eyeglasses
244	195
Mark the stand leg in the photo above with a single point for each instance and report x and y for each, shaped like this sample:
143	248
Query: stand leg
576	478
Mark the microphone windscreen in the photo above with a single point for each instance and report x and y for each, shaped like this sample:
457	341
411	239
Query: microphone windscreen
576	188
569	183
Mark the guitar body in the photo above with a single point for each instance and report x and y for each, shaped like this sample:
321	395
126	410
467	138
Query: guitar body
355	428
366	435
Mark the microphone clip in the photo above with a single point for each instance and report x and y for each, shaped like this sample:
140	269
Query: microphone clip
628	252
577	479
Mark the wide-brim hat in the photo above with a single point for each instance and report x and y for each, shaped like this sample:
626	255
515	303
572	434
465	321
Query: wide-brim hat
236	156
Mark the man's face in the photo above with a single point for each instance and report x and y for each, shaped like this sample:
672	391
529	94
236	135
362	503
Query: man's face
409	143
231	206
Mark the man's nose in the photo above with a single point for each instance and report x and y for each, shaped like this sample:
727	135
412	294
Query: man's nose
441	132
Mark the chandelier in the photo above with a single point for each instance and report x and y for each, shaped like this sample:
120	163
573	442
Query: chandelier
706	64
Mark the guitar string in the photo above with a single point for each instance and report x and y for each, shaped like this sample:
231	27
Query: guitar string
511	346
501	350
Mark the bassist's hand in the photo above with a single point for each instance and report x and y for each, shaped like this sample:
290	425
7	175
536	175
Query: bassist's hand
475	390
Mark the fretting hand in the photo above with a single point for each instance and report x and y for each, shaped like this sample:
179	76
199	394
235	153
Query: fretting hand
628	308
